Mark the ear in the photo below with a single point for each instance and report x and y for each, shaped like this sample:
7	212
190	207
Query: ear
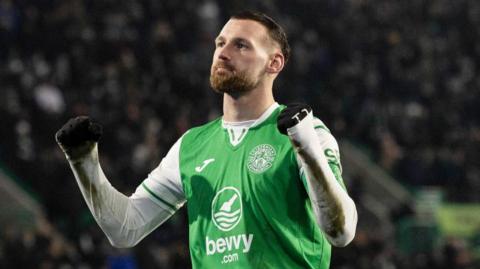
275	63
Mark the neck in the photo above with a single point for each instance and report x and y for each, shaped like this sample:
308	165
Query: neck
247	106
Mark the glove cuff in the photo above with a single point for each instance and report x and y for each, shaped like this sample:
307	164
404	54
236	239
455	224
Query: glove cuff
303	133
77	154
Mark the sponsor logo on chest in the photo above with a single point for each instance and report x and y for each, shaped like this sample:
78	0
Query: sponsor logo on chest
230	243
227	212
227	208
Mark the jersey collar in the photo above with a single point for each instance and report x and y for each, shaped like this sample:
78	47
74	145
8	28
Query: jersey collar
252	123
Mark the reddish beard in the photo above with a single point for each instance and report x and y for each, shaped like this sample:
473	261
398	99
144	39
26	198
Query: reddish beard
231	82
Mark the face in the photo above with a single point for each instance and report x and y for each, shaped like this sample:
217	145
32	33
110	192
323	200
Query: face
242	51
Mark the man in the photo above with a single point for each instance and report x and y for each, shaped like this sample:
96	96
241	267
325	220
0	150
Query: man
263	183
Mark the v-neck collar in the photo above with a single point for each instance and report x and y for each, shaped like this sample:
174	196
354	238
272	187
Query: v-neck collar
244	127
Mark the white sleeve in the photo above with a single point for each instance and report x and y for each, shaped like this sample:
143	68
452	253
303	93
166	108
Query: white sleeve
127	220
164	184
334	210
328	143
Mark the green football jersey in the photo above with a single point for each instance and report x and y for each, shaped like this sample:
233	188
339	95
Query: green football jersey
247	205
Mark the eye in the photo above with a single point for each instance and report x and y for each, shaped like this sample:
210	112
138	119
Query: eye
241	45
219	44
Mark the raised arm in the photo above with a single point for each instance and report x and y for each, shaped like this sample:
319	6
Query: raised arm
335	211
124	220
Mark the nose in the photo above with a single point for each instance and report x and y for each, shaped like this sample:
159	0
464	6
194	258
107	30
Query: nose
223	53
223	57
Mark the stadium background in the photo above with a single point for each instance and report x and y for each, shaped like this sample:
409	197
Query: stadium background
396	81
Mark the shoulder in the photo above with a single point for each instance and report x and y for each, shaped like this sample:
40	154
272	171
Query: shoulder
318	124
202	132
205	128
323	132
328	143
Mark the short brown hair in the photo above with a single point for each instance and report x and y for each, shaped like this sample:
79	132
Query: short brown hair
275	31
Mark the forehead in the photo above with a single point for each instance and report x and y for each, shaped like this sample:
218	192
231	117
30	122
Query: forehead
246	29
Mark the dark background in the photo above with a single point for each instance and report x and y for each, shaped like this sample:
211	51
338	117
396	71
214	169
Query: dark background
399	78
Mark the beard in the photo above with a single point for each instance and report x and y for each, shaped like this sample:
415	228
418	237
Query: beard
232	83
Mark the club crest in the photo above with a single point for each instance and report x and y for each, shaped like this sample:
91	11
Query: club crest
261	158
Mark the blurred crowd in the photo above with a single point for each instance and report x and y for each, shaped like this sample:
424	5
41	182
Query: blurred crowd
398	77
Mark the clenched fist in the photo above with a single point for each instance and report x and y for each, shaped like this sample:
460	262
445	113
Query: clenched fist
292	115
78	136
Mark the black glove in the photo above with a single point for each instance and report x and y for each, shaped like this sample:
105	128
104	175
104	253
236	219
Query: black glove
77	131
291	116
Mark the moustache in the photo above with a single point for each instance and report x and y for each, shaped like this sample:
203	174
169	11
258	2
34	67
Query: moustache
224	65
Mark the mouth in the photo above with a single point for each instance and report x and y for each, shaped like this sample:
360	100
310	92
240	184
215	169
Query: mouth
222	68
